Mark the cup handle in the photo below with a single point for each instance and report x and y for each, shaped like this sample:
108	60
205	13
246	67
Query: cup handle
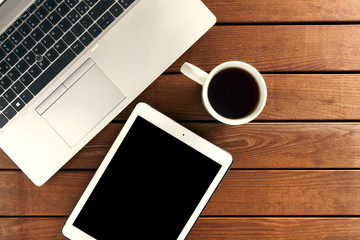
194	73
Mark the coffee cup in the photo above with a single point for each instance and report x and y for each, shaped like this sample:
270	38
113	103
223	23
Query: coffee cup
233	92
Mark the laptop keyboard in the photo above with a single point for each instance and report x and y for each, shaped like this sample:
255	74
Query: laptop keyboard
43	41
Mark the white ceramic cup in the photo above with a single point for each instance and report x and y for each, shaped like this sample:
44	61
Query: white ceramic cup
205	78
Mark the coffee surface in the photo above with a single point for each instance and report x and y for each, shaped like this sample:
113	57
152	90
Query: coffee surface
233	93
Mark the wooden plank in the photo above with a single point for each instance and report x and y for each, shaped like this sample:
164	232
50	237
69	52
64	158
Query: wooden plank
287	193
19	196
276	228
254	145
278	11
274	48
257	145
207	228
290	97
255	193
19	228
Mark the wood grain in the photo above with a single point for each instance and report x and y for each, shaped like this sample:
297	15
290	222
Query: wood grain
254	145
20	197
28	228
290	97
257	145
278	48
276	228
287	193
31	228
278	11
255	193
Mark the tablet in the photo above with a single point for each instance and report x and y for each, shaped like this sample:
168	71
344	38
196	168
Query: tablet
153	183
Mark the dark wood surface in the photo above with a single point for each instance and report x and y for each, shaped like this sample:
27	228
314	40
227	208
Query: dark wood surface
296	172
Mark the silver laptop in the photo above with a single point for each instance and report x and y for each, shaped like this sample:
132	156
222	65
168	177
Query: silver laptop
68	67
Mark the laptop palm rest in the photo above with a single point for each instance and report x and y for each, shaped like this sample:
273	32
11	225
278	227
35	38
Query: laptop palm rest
80	103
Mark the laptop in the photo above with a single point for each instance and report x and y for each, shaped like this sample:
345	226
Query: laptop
68	67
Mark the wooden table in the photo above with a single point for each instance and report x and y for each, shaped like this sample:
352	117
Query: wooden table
296	173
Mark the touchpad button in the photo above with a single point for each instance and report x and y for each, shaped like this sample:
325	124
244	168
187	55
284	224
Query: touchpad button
92	97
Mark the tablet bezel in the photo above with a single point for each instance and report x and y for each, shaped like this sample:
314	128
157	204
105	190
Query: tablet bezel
174	129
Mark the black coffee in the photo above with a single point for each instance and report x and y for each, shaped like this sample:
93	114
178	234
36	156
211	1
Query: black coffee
233	93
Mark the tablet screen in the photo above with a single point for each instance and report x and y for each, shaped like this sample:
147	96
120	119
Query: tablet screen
149	189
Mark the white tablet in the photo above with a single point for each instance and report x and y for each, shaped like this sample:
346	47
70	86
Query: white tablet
153	183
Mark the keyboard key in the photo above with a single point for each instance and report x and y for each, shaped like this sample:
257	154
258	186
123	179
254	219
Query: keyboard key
71	3
17	22
86	21
28	42
65	24
3	120
91	2
50	5
39	49
14	74
5	82
73	16
18	104
60	46
3	36
25	29
51	54
9	112
116	10
3	103
86	39
54	17
16	37
26	96
63	9
12	59
126	3
32	8
77	47
52	71
82	8
56	33
22	66
95	30
46	26
7	46
33	21
47	41
30	58
26	79
103	18
44	63
4	67
35	71
41	13
10	30
37	34
100	8
25	15
107	22
18	87
9	95
20	51
77	29
69	38
39	2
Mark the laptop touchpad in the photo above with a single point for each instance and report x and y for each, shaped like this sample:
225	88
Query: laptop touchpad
83	105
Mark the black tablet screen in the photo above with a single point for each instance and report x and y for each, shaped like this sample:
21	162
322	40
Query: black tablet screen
150	188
